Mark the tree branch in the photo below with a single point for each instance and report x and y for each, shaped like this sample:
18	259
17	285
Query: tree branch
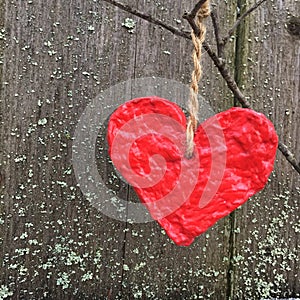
239	20
224	71
192	23
220	47
190	17
289	156
148	18
195	10
219	63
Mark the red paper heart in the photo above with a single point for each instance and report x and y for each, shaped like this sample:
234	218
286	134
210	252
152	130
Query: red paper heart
233	157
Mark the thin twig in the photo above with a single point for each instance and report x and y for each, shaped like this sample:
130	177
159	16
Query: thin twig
224	71
219	63
148	18
239	20
192	23
214	18
195	10
190	17
289	156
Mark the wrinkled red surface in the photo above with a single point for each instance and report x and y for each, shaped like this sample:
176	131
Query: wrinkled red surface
250	144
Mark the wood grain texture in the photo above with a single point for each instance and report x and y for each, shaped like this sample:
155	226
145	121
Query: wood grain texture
265	260
55	243
57	58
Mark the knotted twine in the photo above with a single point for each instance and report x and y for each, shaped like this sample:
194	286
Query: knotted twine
193	106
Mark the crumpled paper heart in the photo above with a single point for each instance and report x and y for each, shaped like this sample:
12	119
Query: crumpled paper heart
233	157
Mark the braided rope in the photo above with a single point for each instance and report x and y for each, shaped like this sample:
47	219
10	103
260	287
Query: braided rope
196	76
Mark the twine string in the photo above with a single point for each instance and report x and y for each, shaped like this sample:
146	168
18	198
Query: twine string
193	106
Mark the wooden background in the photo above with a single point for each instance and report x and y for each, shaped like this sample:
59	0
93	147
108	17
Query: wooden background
56	57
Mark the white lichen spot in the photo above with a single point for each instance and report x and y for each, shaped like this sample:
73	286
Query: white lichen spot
125	267
2	34
20	158
30	173
68	171
62	183
33	242
48	44
21	212
87	276
63	280
138	294
73	258
136	251
24	235
139	266
42	122
23	271
5	292
129	24
47	265
134	233
21	251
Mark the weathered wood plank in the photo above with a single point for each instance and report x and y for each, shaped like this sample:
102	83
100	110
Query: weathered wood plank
58	56
265	255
